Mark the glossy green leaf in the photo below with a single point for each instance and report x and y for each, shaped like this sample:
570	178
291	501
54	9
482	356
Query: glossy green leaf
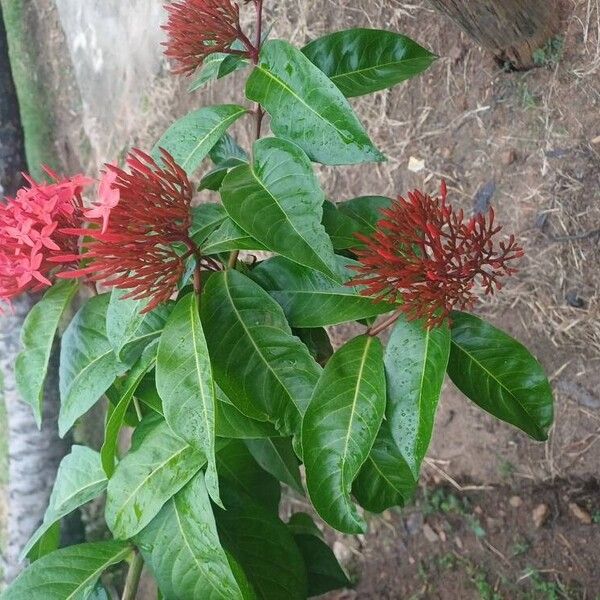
48	542
123	319
154	470
500	375
117	415
340	426
262	368
309	299
362	61
37	337
415	365
181	547
227	152
67	574
213	179
318	343
229	237
190	139
206	218
276	456
385	480
237	465
307	108
185	384
340	227
231	423
262	545
324	571
365	211
278	201
79	479
216	66
88	365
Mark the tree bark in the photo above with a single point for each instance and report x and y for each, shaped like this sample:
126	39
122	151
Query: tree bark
512	29
33	455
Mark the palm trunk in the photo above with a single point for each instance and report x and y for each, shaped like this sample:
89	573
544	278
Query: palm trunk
512	29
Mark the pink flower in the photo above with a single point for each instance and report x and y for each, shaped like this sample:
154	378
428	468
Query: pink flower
108	196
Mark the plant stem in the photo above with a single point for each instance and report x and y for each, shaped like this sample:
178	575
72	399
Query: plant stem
133	577
198	277
377	329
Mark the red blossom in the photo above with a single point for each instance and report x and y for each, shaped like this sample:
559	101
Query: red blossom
424	255
140	217
31	232
197	28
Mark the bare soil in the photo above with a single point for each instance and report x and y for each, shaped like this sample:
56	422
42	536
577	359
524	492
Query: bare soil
533	140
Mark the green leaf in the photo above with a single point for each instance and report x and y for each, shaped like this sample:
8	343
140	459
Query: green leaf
318	343
229	237
276	456
362	61
117	415
307	108
190	139
48	542
309	299
227	152
88	365
155	469
182	548
385	480
500	375
79	479
185	384
67	574
206	218
262	545
231	423
123	319
215	66
365	211
340	426
415	365
213	179
278	201
237	465
37	337
340	227
324	571
263	369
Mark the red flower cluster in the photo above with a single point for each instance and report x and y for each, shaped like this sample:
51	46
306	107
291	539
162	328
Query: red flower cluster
197	28
138	219
31	232
425	256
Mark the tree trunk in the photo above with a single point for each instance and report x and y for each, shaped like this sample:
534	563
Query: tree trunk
33	455
512	29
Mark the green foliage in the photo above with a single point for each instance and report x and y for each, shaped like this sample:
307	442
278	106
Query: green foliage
550	53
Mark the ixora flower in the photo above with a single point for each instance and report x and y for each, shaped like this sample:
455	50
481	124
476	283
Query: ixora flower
197	28
138	219
31	232
427	257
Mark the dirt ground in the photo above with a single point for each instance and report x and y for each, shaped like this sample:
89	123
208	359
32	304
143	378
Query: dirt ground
499	516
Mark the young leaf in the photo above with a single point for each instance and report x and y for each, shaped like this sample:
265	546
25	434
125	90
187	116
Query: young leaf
215	66
307	108
237	465
415	365
278	201
229	237
206	218
340	426
190	139
185	384
365	211
500	375
262	545
88	365
79	479
227	152
123	319
181	546
276	456
263	369
37	337
385	480
158	465
362	61
69	573
324	571
117	415
309	299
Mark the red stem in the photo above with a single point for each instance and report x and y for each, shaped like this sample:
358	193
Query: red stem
383	325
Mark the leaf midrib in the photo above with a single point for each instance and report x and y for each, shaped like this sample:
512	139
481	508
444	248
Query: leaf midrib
373	68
